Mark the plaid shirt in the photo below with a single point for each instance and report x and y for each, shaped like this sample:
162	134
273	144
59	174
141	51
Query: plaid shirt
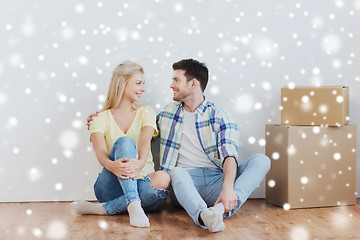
217	132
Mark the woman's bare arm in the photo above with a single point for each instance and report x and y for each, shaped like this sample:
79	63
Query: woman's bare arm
144	145
118	167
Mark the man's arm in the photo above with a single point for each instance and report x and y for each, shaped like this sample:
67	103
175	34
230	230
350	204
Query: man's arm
228	148
90	118
228	196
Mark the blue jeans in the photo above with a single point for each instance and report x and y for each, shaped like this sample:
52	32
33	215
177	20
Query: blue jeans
117	193
196	189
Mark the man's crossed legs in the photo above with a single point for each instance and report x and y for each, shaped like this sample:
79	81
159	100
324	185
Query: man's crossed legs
196	189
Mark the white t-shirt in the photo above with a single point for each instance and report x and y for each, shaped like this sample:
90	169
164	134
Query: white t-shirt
191	154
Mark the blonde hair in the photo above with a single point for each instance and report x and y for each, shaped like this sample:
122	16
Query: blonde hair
120	77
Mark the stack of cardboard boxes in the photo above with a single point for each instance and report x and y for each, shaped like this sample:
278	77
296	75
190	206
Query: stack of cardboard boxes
313	150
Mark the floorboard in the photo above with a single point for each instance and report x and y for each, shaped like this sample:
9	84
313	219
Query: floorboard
255	220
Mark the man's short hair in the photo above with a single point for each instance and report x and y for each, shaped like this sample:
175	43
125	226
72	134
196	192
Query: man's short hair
193	69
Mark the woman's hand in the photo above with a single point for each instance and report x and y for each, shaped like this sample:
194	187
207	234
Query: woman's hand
125	168
134	167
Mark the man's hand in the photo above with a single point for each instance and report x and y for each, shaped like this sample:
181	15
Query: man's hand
90	118
228	198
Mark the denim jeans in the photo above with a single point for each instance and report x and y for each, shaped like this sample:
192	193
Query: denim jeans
117	193
196	189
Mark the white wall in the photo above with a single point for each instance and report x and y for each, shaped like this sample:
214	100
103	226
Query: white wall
57	57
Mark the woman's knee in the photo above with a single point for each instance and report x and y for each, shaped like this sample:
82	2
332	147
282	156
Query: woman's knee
160	180
123	147
125	141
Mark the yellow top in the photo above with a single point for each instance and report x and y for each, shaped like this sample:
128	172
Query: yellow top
106	124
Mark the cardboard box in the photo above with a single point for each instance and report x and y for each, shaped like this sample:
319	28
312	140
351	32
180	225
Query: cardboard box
328	106
311	166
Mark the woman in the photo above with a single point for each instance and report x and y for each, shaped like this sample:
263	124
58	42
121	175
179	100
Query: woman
121	137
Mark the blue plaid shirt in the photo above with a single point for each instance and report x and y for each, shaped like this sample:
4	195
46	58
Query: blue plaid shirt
217	131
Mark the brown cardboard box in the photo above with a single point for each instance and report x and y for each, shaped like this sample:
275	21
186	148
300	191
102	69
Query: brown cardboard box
311	166
326	105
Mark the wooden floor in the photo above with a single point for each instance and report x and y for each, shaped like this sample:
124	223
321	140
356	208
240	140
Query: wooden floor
255	220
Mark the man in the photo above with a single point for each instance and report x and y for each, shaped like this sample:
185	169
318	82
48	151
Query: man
199	148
